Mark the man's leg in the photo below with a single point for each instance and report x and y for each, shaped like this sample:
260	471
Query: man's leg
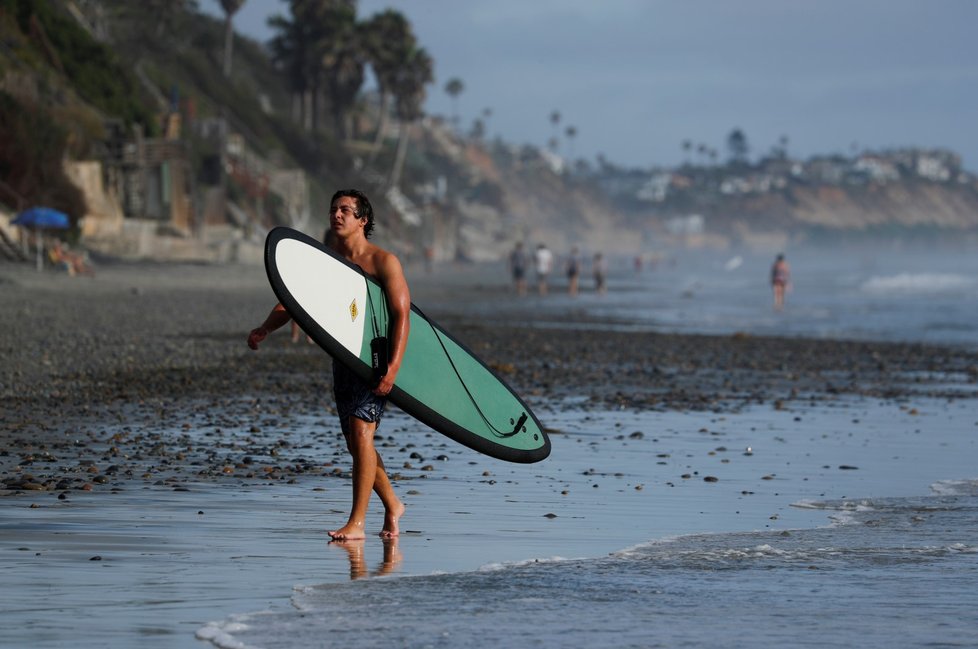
360	441
369	474
393	507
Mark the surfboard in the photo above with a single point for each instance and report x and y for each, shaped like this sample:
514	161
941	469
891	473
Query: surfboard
441	382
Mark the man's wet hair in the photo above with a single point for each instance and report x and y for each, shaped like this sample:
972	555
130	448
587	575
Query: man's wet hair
364	209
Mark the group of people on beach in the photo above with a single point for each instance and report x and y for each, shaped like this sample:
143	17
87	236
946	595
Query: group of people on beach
543	264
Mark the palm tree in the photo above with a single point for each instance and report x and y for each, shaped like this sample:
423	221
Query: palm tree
555	120
687	147
317	48
416	72
341	55
230	8
738	146
344	78
291	53
486	114
454	88
387	41
571	133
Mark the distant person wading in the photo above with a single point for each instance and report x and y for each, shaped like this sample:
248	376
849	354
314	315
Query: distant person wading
544	261
780	281
517	267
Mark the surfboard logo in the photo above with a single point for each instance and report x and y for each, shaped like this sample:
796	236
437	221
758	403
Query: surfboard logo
354	312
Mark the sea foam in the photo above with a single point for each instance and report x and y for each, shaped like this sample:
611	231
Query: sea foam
918	283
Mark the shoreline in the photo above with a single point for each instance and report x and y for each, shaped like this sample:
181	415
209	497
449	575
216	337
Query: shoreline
155	562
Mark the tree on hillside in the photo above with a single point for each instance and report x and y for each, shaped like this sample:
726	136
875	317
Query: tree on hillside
737	146
291	53
32	151
387	40
571	133
486	114
454	88
555	122
140	26
163	14
342	59
230	8
416	72
313	45
94	69
343	83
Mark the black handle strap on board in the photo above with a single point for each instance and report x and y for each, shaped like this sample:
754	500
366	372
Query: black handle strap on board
379	345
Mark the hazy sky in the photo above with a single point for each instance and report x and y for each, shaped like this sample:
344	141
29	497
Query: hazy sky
637	77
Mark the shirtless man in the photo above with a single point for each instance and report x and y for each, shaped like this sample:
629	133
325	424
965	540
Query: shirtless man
360	406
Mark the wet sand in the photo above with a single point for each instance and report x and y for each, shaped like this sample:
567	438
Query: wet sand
158	475
145	339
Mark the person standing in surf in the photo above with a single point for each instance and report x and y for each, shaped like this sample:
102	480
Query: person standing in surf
543	259
573	271
780	281
359	405
517	266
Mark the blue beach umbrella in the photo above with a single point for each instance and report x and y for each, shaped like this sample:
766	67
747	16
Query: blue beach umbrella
42	218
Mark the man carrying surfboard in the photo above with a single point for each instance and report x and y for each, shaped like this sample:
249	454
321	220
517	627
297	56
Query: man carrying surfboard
361	406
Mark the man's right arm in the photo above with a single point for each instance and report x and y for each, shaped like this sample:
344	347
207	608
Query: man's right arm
277	318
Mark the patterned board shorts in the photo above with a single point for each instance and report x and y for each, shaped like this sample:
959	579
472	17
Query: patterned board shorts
354	398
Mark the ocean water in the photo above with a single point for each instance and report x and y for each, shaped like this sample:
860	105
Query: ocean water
823	528
895	572
851	523
854	524
896	294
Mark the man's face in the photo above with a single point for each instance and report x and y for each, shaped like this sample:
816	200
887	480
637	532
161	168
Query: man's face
344	217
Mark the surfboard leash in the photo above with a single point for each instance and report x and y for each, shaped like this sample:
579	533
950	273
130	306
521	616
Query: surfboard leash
495	431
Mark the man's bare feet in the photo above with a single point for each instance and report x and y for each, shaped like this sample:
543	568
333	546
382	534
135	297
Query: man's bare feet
349	532
392	519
